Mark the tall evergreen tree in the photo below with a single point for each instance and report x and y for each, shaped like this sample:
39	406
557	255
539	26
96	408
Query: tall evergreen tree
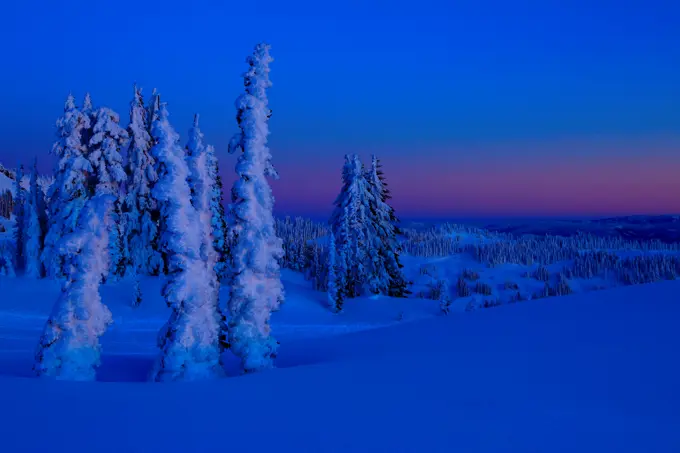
108	175
142	228
156	213
69	347
41	203
202	183
34	227
334	293
68	193
219	224
19	219
387	276
255	283
189	342
349	225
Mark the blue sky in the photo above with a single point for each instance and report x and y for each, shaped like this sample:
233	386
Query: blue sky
437	82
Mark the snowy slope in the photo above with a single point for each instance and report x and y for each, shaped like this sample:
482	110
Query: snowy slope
589	373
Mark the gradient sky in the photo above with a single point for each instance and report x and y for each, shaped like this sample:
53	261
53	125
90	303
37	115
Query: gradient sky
476	107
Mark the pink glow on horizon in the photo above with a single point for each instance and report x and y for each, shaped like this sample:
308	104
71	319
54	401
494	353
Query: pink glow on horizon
490	183
586	186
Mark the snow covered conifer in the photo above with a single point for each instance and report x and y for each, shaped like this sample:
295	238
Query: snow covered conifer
108	175
69	346
189	341
348	222
361	230
19	225
34	228
206	196
334	293
255	284
386	275
104	151
153	119
42	184
219	223
344	249
91	115
87	105
201	185
68	193
142	228
152	113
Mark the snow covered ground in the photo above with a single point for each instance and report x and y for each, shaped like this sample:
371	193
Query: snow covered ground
590	372
593	371
129	346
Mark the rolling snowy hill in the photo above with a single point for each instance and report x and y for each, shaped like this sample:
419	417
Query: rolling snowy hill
590	373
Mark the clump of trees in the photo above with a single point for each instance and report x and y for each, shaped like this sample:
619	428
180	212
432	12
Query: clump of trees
156	210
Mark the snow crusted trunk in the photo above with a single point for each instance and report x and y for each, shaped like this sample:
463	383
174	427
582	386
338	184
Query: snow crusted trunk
189	341
69	347
256	290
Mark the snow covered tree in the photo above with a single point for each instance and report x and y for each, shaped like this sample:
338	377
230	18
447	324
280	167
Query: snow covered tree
104	151
141	227
91	115
69	346
20	219
334	294
255	282
68	194
385	275
153	119
34	228
108	175
189	341
196	149
219	223
349	223
43	184
344	267
152	112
